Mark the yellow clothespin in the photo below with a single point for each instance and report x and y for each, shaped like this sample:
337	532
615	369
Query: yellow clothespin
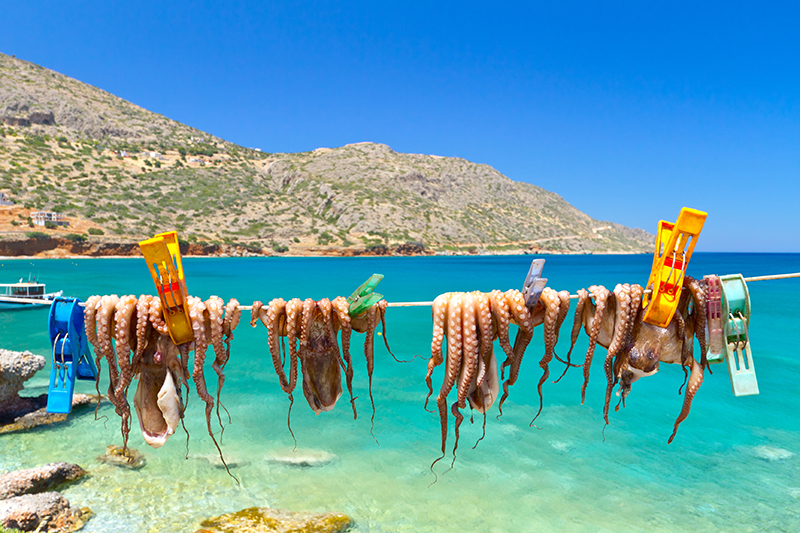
163	256
674	246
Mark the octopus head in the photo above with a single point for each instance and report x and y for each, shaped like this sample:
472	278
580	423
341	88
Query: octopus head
158	400
641	361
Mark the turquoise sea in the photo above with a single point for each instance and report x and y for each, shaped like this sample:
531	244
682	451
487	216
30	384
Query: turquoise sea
734	465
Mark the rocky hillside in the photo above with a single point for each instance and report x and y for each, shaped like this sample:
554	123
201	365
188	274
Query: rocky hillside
115	168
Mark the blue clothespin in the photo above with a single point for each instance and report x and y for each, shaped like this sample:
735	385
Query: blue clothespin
534	283
71	356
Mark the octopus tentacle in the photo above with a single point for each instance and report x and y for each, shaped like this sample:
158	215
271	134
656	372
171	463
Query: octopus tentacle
502	318
700	303
552	304
341	309
695	380
601	295
577	322
471	353
326	308
142	323
564	296
157	317
90	326
634	323
439	320
198	316
622	323
105	319
373	318
90	320
484	387
123	319
183	354
454	356
275	311
255	312
484	317
215	308
522	316
232	316
309	305
382	306
686	347
469	329
231	319
294	311
636	293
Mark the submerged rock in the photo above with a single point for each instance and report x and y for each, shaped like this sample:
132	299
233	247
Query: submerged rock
266	520
130	458
48	511
39	479
302	458
216	461
771	453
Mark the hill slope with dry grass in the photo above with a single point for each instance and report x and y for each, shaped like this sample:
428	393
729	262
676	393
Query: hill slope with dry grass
115	168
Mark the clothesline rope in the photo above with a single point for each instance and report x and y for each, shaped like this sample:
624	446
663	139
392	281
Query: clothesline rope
411	304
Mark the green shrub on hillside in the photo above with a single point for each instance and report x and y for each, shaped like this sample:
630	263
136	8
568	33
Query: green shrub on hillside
96	231
75	237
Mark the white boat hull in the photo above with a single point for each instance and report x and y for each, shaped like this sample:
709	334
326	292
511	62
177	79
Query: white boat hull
10	303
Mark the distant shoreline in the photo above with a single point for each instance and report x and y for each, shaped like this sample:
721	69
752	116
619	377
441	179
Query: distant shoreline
55	247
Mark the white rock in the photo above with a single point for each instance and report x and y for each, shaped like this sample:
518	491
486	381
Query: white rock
301	457
770	453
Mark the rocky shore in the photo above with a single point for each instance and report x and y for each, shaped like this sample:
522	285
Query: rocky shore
24	412
61	247
15	369
28	502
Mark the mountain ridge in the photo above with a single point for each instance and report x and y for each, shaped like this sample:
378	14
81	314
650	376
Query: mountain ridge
116	168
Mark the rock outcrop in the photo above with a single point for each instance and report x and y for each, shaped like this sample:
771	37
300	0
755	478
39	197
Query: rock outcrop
15	369
19	412
47	511
266	520
39	479
35	413
27	502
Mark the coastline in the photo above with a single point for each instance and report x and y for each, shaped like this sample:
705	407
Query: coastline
54	247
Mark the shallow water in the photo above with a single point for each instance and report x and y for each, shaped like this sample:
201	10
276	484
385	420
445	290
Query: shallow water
734	464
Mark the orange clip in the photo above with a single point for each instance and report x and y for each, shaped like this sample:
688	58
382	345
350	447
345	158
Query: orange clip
163	256
674	246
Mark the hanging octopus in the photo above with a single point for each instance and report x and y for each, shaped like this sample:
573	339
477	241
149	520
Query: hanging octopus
635	348
470	322
311	328
133	337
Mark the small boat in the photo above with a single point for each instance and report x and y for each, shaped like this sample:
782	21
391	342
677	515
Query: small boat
25	295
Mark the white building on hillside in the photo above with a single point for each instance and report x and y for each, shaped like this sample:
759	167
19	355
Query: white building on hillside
40	218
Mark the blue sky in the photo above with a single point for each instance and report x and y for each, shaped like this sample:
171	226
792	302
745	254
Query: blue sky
629	110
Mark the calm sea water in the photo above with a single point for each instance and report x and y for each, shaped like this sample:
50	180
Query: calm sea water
732	467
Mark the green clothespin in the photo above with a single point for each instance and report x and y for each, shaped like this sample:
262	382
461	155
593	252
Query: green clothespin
736	321
363	298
